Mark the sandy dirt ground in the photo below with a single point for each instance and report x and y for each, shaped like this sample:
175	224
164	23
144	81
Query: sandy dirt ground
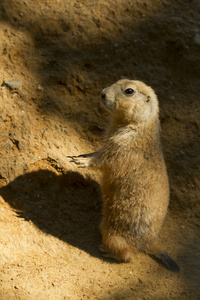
63	53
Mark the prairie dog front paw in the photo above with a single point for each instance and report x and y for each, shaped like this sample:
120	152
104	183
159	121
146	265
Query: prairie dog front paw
80	160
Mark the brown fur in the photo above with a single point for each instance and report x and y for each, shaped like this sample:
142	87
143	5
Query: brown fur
135	183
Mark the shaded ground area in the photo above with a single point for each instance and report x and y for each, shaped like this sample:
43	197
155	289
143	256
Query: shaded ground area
64	53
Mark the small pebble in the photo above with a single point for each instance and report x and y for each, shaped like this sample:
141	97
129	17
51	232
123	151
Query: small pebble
13	83
14	95
182	152
197	39
39	88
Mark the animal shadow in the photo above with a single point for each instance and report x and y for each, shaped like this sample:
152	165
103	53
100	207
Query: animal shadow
65	206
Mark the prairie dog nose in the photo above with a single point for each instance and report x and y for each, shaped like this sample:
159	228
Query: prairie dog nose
103	95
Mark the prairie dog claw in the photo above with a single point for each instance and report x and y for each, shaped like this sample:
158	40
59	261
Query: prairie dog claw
80	160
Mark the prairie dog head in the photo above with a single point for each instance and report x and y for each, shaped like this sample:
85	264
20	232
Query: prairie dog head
131	102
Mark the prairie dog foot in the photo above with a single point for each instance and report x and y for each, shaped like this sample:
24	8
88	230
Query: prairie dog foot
106	253
82	160
121	255
102	248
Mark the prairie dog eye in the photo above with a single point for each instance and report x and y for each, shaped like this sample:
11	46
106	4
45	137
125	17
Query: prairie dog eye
129	91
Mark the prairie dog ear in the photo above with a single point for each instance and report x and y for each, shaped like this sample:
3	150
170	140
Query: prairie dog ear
148	99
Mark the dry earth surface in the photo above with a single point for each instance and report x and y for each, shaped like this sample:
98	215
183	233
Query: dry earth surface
63	53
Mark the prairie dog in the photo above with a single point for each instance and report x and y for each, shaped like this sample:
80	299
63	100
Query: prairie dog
135	184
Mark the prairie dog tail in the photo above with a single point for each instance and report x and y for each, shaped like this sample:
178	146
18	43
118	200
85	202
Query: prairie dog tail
163	258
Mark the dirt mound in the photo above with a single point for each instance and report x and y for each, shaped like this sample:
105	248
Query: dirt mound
62	54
